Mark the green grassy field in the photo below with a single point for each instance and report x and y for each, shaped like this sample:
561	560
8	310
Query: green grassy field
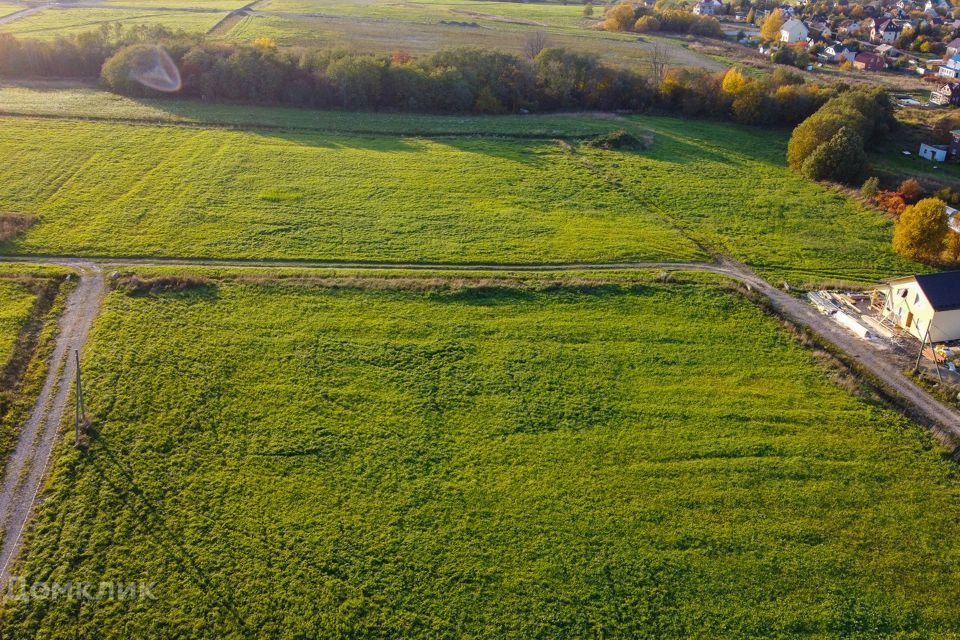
188	192
136	190
485	460
54	22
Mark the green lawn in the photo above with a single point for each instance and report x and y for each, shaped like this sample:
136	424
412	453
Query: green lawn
491	460
55	21
112	189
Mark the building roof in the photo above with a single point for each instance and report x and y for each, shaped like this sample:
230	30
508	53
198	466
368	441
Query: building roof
941	289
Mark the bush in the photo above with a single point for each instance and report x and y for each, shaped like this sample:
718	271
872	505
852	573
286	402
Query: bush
871	187
866	114
646	24
892	202
841	158
911	191
619	18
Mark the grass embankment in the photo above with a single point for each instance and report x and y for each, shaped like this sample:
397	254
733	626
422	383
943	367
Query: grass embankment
296	459
188	192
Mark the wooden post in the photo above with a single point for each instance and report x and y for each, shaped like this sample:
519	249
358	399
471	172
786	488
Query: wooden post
923	343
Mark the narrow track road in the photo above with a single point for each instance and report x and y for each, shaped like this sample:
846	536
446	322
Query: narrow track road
27	465
26	468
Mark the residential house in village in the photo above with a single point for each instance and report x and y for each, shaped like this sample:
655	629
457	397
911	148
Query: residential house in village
951	68
927	306
887	51
708	8
838	53
953	47
884	30
793	31
946	94
868	62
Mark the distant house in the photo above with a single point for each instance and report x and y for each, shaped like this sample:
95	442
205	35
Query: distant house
885	30
933	152
887	51
838	52
953	47
927	306
868	62
951	68
946	94
793	31
708	8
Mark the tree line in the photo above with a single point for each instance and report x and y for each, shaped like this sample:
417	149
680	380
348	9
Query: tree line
469	81
451	81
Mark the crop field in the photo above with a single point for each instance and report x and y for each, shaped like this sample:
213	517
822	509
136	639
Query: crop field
487	458
54	22
187	192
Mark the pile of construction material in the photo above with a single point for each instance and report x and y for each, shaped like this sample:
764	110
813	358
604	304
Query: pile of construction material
842	306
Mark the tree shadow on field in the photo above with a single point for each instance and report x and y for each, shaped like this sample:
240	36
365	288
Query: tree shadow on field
121	480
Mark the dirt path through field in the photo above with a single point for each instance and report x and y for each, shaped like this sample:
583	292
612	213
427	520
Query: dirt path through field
26	467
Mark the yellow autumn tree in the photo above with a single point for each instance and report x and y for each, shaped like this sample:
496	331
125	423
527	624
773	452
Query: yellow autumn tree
733	82
619	18
770	29
921	232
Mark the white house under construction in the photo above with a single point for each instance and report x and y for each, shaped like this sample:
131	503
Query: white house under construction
927	306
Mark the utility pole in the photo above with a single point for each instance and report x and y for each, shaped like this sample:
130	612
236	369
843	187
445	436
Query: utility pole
81	410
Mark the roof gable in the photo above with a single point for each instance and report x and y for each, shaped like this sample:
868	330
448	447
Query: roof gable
942	290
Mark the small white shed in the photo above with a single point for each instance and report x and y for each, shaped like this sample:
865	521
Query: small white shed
934	152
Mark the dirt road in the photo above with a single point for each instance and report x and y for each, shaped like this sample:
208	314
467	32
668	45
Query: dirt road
26	467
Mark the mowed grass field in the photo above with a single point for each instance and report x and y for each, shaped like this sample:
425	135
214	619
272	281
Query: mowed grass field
116	189
361	457
54	22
